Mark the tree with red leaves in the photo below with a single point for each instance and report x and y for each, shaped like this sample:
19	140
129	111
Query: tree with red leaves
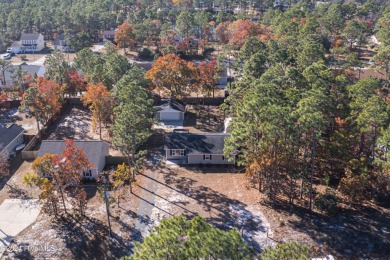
100	102
61	173
124	36
42	100
70	165
222	32
172	74
208	73
74	82
242	30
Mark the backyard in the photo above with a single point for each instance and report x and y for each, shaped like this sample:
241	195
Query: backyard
218	194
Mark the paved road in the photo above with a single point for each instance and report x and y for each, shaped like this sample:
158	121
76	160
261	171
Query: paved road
15	216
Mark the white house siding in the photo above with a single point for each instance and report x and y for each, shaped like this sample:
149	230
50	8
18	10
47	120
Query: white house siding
199	159
102	159
40	44
8	150
94	174
174	157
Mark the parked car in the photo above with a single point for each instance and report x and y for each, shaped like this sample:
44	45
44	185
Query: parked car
6	56
9	50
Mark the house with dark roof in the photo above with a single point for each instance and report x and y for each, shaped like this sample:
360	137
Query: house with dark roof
168	110
10	138
96	152
61	45
195	148
29	42
109	35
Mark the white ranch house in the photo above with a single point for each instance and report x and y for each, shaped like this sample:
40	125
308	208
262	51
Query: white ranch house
195	148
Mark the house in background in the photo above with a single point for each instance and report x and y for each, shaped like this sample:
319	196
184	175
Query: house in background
29	42
195	148
170	111
109	35
33	70
61	45
96	152
10	138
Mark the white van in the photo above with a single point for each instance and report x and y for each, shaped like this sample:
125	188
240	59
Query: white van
6	56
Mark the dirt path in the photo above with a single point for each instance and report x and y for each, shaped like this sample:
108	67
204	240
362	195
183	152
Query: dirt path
147	196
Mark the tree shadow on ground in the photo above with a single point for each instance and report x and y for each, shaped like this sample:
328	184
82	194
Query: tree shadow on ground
15	192
88	239
221	211
14	166
72	124
352	234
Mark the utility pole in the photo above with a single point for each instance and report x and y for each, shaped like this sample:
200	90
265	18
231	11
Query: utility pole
313	152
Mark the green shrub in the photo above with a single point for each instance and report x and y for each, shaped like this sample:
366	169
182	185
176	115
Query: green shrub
286	251
145	54
327	202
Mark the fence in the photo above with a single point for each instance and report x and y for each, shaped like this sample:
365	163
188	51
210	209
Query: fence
114	160
10	104
204	101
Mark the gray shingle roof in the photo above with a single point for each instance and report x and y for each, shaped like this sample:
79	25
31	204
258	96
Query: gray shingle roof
92	149
7	135
109	33
171	103
29	36
29	69
196	143
59	40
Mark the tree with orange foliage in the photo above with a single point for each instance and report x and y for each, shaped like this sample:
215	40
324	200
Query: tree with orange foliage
124	36
61	173
208	72
42	100
222	32
3	97
70	165
100	102
45	178
172	74
74	82
242	30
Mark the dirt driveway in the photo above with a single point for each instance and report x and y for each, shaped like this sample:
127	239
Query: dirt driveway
217	194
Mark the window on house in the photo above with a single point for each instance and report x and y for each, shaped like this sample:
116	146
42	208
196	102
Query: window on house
207	157
87	173
177	152
223	158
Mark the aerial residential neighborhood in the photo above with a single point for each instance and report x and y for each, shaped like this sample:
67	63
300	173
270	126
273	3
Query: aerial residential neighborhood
184	129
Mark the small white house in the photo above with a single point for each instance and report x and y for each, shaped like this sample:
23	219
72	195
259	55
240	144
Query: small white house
169	110
29	42
196	148
10	138
96	152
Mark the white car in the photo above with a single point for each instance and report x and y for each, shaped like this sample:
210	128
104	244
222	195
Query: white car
6	56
